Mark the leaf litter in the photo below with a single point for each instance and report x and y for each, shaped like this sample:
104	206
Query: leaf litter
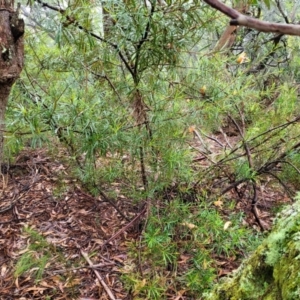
38	220
46	214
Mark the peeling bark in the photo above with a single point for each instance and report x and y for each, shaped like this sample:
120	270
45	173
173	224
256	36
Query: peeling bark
11	56
228	37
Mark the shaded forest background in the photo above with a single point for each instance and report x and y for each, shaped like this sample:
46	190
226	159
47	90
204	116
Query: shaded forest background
152	136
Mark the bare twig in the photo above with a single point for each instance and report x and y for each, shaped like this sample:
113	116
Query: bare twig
281	127
108	291
106	199
269	165
21	193
287	189
291	164
225	138
125	227
198	135
253	205
213	139
143	168
286	19
233	185
245	144
83	267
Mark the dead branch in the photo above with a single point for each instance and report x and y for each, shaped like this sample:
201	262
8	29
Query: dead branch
253	205
125	227
286	188
206	149
108	291
233	185
80	268
105	199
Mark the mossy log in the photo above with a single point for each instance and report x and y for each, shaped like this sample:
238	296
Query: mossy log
272	272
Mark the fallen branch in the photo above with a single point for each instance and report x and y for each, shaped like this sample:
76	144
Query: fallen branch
125	227
231	186
108	291
83	267
105	199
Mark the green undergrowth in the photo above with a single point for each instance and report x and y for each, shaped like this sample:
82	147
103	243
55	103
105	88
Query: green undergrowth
291	169
131	108
36	256
272	271
180	249
39	256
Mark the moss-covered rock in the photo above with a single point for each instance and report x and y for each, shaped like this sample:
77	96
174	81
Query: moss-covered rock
272	272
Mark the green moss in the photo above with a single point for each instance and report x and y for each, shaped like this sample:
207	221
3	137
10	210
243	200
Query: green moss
273	270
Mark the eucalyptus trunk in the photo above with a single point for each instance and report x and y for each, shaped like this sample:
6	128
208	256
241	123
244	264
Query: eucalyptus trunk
11	56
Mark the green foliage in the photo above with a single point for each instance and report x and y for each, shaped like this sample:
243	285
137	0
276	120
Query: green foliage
135	125
34	262
179	240
36	256
272	271
291	169
31	261
121	91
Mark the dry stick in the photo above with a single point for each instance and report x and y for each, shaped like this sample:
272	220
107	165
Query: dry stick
231	186
205	155
289	193
291	164
268	166
263	170
21	193
197	134
225	137
279	127
254	185
83	267
125	227
111	202
286	19
105	199
143	169
213	139
266	169
108	291
254	208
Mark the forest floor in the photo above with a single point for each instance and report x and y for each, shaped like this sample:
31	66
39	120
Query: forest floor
46	213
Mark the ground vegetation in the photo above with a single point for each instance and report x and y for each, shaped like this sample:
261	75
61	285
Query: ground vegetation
148	147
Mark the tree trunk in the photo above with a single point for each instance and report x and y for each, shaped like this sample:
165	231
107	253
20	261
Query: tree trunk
11	56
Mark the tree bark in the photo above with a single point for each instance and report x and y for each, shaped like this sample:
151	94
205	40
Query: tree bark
228	37
238	19
11	56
